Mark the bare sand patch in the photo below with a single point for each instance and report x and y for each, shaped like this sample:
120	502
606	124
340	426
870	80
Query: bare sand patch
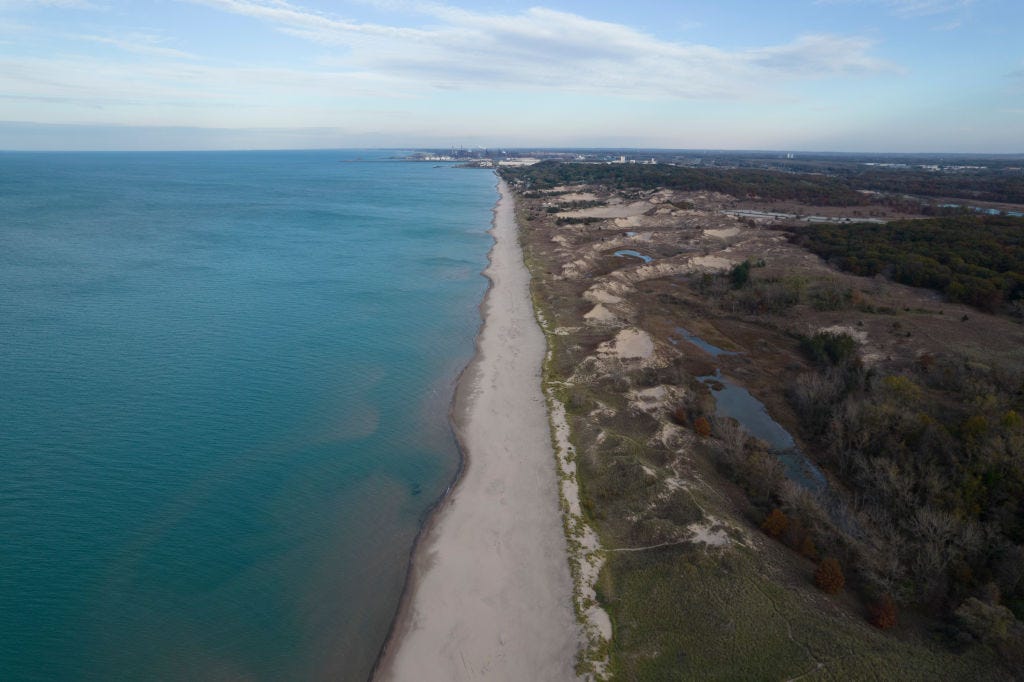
601	294
709	532
600	313
723	233
612	211
578	196
629	344
859	335
711	263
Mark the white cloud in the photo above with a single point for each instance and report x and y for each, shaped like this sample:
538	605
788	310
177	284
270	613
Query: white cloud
548	49
309	23
910	8
63	4
409	61
138	43
927	7
172	93
828	54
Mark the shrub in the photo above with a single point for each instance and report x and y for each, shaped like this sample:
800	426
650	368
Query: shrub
761	475
830	347
702	427
807	547
740	274
831	296
987	622
795	536
681	414
882	614
776	523
829	576
902	389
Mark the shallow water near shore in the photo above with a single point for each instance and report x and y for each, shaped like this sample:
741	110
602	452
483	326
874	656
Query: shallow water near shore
226	380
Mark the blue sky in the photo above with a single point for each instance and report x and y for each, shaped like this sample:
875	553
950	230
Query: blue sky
844	75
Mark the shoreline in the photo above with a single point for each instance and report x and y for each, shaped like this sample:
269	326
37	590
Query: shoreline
489	591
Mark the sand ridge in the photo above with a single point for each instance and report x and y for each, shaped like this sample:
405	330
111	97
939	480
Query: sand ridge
490	594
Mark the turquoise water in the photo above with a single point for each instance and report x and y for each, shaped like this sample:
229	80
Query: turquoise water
224	384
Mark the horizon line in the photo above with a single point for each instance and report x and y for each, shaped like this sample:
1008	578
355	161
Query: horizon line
518	148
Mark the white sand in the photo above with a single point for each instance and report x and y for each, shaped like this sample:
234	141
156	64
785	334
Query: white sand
600	314
709	532
629	344
490	595
711	263
583	196
723	233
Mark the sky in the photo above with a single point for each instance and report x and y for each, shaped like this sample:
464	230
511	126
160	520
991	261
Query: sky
800	75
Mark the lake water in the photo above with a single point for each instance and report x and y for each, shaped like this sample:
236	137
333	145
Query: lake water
224	385
735	402
633	254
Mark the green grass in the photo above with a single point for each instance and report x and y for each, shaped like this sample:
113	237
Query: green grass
682	613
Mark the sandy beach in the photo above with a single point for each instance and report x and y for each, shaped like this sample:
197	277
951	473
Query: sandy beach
490	595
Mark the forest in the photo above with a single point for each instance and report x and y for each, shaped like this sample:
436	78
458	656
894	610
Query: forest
934	454
999	179
972	259
979	186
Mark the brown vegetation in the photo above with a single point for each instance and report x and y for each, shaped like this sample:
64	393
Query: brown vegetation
882	614
829	576
702	427
776	523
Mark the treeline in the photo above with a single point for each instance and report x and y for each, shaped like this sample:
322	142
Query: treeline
819	190
823	184
996	182
978	260
982	185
